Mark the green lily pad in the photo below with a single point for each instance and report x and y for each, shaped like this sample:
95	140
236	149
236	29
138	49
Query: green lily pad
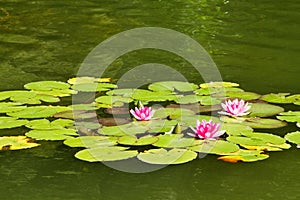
10	122
172	113
217	91
244	156
187	121
293	137
93	87
266	137
47	125
173	85
116	101
165	157
59	134
6	107
16	143
278	98
38	111
90	141
148	96
174	141
127	92
243	95
204	100
75	114
254	122
47	85
27	97
218	85
290	116
218	147
268	147
86	79
264	110
236	129
134	141
55	92
90	106
101	154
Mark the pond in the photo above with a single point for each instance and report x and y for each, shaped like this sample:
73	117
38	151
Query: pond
255	44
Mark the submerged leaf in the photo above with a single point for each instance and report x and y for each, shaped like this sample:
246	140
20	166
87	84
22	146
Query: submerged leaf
165	157
16	143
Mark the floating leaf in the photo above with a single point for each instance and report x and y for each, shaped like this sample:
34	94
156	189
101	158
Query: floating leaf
173	85
47	85
93	87
290	116
90	106
244	158
10	107
75	114
243	95
86	79
255	122
293	137
59	134
264	110
46	124
147	96
204	100
218	147
134	141
236	129
217	91
218	85
10	122
16	143
55	92
187	121
90	141
278	98
266	137
164	157
174	141
172	113
116	101
37	111
269	147
105	154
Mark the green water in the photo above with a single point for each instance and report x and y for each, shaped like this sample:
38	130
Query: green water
254	43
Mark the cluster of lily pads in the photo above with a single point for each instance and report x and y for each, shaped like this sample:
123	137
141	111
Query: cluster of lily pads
124	123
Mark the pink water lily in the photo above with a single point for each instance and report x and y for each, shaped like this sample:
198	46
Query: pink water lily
235	108
207	130
143	113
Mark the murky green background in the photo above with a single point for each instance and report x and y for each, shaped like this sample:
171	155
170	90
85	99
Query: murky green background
255	43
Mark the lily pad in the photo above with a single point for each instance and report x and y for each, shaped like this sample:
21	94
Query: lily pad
290	116
90	106
165	157
75	114
218	147
148	96
243	95
37	112
90	141
244	157
134	141
174	141
10	122
204	100
101	154
87	79
264	110
172	113
16	143
59	134
47	85
255	122
10	107
236	129
278	98
172	86
218	85
93	87
293	137
116	101
47	125
187	121
217	91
